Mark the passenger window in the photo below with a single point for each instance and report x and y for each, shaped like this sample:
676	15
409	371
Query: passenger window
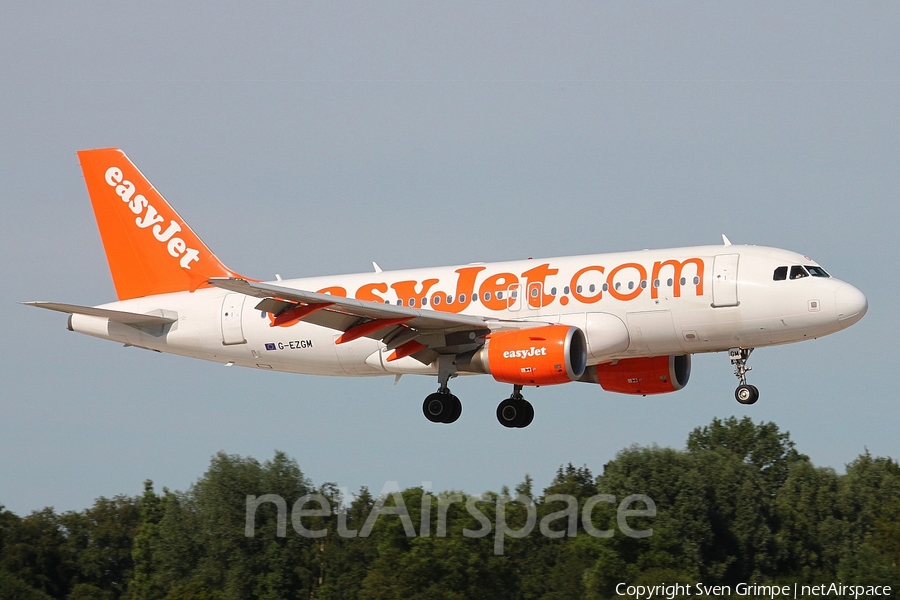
780	274
436	300
798	272
487	296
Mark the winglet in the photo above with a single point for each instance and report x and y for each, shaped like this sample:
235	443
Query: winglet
149	247
725	240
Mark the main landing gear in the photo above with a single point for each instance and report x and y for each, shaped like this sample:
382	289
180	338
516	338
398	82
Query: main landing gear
515	411
745	393
442	406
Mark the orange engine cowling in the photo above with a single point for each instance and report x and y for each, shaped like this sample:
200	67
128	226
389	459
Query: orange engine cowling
644	376
538	356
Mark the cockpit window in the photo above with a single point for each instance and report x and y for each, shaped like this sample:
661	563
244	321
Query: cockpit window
780	274
798	272
817	271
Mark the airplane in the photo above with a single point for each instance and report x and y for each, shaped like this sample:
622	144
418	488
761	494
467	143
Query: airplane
628	321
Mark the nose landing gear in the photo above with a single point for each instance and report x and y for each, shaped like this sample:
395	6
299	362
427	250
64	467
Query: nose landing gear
745	393
515	411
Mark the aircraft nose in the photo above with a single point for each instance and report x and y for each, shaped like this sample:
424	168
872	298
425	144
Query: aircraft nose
851	304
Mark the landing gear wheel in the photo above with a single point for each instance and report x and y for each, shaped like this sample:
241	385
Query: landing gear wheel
442	407
515	412
455	409
433	407
528	417
746	394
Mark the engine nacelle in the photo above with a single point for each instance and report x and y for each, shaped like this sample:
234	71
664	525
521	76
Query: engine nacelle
644	376
538	356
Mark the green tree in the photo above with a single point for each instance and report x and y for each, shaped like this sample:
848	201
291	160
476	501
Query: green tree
147	583
99	542
811	529
868	500
196	539
450	567
347	560
763	446
12	588
33	552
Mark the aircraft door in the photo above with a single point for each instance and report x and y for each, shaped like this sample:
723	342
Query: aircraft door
232	310
724	284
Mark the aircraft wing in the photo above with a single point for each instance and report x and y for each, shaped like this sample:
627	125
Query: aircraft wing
421	333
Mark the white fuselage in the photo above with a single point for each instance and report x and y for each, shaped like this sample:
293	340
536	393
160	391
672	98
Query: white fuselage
646	303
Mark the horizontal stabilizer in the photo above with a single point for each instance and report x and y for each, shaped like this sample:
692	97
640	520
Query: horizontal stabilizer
116	316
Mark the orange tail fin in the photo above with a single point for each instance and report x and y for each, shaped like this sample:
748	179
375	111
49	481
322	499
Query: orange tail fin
150	249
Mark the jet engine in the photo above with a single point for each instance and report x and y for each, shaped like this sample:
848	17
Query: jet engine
537	356
644	376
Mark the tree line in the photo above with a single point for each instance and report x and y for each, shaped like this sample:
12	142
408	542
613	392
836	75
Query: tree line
738	505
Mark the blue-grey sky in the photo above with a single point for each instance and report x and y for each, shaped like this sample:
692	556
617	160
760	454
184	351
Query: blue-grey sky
313	138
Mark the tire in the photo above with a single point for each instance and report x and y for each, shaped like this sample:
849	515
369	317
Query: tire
527	414
434	407
746	394
755	394
454	408
509	413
